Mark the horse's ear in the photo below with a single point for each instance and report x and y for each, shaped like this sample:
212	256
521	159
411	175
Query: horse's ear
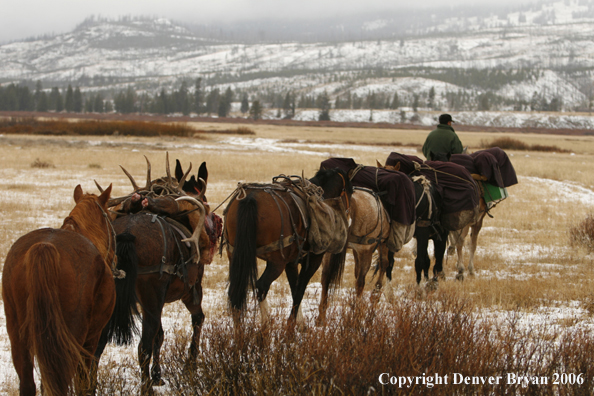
78	193
179	173
104	197
203	172
378	164
397	166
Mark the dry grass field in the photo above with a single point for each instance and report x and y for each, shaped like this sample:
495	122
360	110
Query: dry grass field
529	277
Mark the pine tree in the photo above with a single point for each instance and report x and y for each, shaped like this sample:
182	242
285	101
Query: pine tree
431	102
98	105
256	110
198	97
324	105
212	101
77	105
42	104
69	101
245	104
395	102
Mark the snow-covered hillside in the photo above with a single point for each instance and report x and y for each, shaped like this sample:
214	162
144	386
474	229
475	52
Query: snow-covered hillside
555	38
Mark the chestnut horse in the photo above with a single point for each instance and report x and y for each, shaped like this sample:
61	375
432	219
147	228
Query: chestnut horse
58	292
268	223
370	226
168	269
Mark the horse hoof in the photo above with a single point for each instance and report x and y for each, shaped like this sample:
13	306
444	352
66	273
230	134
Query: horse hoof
158	382
460	277
451	250
440	276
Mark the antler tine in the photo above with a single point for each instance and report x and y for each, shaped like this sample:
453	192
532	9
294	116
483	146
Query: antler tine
183	179
148	174
167	167
196	233
203	189
134	185
98	186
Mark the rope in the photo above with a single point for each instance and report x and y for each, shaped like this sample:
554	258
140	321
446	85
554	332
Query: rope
423	181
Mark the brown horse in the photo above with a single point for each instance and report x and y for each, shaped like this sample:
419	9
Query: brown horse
58	292
270	222
154	243
369	229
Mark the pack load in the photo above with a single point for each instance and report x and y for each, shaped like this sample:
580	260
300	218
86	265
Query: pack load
395	190
458	190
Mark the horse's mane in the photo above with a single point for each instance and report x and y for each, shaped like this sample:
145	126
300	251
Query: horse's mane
83	219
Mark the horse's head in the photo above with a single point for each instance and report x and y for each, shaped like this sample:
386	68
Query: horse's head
89	218
196	185
443	157
335	183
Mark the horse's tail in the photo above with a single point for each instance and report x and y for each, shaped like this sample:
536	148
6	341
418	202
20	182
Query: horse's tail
57	350
243	270
122	325
336	268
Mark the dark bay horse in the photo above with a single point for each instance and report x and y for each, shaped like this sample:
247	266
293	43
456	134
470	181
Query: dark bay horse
270	222
59	293
427	227
154	242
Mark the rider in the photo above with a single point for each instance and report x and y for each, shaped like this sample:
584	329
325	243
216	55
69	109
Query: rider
443	139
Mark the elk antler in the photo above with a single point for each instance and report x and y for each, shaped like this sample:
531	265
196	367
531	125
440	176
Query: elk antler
198	229
148	174
98	186
203	189
134	185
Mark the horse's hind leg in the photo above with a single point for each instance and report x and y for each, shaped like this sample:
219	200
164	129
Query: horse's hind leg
156	368
195	308
324	298
459	237
271	273
440	243
422	262
307	271
24	366
475	229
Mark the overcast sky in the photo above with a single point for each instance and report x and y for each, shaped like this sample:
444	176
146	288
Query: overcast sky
27	18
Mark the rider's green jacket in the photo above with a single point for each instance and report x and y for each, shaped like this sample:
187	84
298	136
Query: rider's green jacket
443	139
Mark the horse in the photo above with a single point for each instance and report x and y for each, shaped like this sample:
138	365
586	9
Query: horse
59	293
270	222
492	166
427	227
154	243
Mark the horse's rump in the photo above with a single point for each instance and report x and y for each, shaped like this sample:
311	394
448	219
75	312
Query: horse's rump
62	272
155	241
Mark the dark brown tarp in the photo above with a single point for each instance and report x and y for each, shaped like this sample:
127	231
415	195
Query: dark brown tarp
483	163
396	190
508	173
453	182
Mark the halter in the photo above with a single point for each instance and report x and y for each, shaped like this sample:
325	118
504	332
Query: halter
117	273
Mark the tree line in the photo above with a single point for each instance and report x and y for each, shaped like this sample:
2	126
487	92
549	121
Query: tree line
202	100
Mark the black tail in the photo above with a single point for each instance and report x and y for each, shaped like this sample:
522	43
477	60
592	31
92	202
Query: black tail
122	325
336	268
243	270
